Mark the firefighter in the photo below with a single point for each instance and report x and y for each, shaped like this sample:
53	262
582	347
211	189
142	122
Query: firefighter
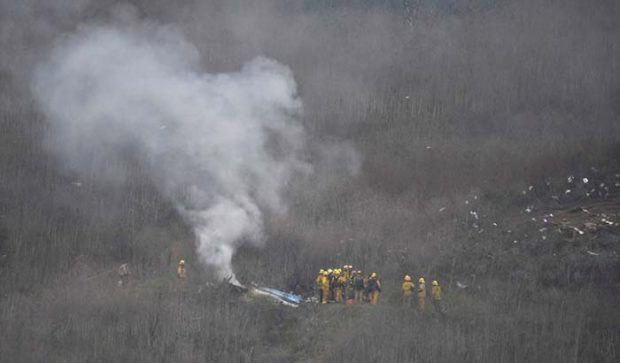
337	286
325	284
181	271
407	289
317	282
436	297
343	281
346	271
358	287
373	288
330	276
123	275
422	294
346	274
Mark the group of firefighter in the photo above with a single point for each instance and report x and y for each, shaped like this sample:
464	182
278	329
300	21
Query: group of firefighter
350	286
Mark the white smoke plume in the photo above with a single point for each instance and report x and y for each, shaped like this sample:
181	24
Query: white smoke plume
222	147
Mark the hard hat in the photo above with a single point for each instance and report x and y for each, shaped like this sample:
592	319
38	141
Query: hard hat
435	283
336	272
421	280
182	262
325	273
359	271
321	271
329	270
374	274
407	278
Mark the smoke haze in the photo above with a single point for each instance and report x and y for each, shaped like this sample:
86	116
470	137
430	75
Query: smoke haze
221	147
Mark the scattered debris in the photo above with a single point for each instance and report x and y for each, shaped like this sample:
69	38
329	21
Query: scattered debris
461	285
592	253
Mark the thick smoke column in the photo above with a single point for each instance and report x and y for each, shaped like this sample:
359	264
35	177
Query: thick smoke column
220	146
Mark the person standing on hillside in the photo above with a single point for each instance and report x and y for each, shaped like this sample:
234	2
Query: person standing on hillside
407	289
358	287
422	294
346	289
318	285
325	285
123	275
374	288
436	297
182	272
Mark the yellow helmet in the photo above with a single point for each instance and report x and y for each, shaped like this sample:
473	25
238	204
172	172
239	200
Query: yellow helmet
337	271
325	273
421	280
373	275
182	262
435	283
321	271
407	278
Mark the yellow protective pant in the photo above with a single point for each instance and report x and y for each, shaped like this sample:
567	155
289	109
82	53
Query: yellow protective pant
422	303
374	297
325	296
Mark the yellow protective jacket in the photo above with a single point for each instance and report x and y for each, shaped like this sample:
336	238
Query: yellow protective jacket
407	288
181	272
325	283
346	274
422	290
436	292
319	280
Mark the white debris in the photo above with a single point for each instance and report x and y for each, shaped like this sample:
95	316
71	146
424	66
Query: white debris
542	229
428	147
578	230
602	185
604	220
523	192
567	191
592	253
529	209
442	209
460	285
467	202
475	197
77	183
544	238
494	224
585	180
570	179
515	241
474	214
533	219
618	184
530	188
545	220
